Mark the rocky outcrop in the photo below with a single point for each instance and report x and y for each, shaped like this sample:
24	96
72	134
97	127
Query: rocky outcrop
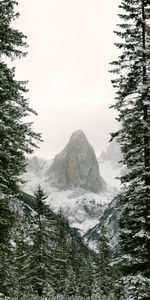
109	218
77	166
112	153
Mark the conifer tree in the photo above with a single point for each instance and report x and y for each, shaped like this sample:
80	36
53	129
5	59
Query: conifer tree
6	221
71	288
132	83
61	260
78	281
70	283
33	255
86	276
103	270
16	136
22	239
39	263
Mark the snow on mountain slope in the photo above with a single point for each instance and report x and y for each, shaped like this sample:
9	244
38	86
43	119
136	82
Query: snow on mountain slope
110	166
36	174
81	207
110	173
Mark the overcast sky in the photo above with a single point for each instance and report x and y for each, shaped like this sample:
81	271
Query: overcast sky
71	43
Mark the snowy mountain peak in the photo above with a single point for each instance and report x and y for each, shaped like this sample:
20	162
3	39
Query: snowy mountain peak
78	135
81	206
112	153
77	166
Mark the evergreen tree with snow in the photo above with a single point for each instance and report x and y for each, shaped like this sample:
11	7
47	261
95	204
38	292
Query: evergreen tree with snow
33	259
16	136
78	267
70	283
38	266
60	257
86	276
6	221
22	246
132	83
71	288
103	271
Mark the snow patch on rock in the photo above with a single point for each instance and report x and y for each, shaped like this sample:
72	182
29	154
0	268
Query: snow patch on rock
82	207
77	166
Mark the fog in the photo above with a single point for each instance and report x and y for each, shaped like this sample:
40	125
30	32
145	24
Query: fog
71	43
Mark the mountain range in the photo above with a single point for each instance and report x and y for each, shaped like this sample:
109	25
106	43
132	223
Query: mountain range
80	184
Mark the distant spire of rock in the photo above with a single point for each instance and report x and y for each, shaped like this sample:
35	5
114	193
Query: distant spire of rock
77	166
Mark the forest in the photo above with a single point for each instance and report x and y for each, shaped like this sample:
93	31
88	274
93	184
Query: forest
41	256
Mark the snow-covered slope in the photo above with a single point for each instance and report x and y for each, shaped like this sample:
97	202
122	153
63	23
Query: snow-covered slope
109	164
82	207
110	169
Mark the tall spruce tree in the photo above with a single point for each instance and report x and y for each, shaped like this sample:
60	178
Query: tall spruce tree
103	271
61	259
23	244
70	287
132	82
86	276
16	136
38	263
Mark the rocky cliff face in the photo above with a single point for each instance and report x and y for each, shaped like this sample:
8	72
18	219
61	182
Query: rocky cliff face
112	153
77	166
109	218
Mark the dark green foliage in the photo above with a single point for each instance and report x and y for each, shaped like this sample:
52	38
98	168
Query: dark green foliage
85	278
16	136
41	232
73	261
133	105
20	258
49	256
60	255
6	278
103	268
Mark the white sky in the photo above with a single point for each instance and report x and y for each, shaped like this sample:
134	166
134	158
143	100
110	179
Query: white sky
71	43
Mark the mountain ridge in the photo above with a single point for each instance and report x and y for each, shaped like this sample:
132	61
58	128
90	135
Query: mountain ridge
83	208
76	166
